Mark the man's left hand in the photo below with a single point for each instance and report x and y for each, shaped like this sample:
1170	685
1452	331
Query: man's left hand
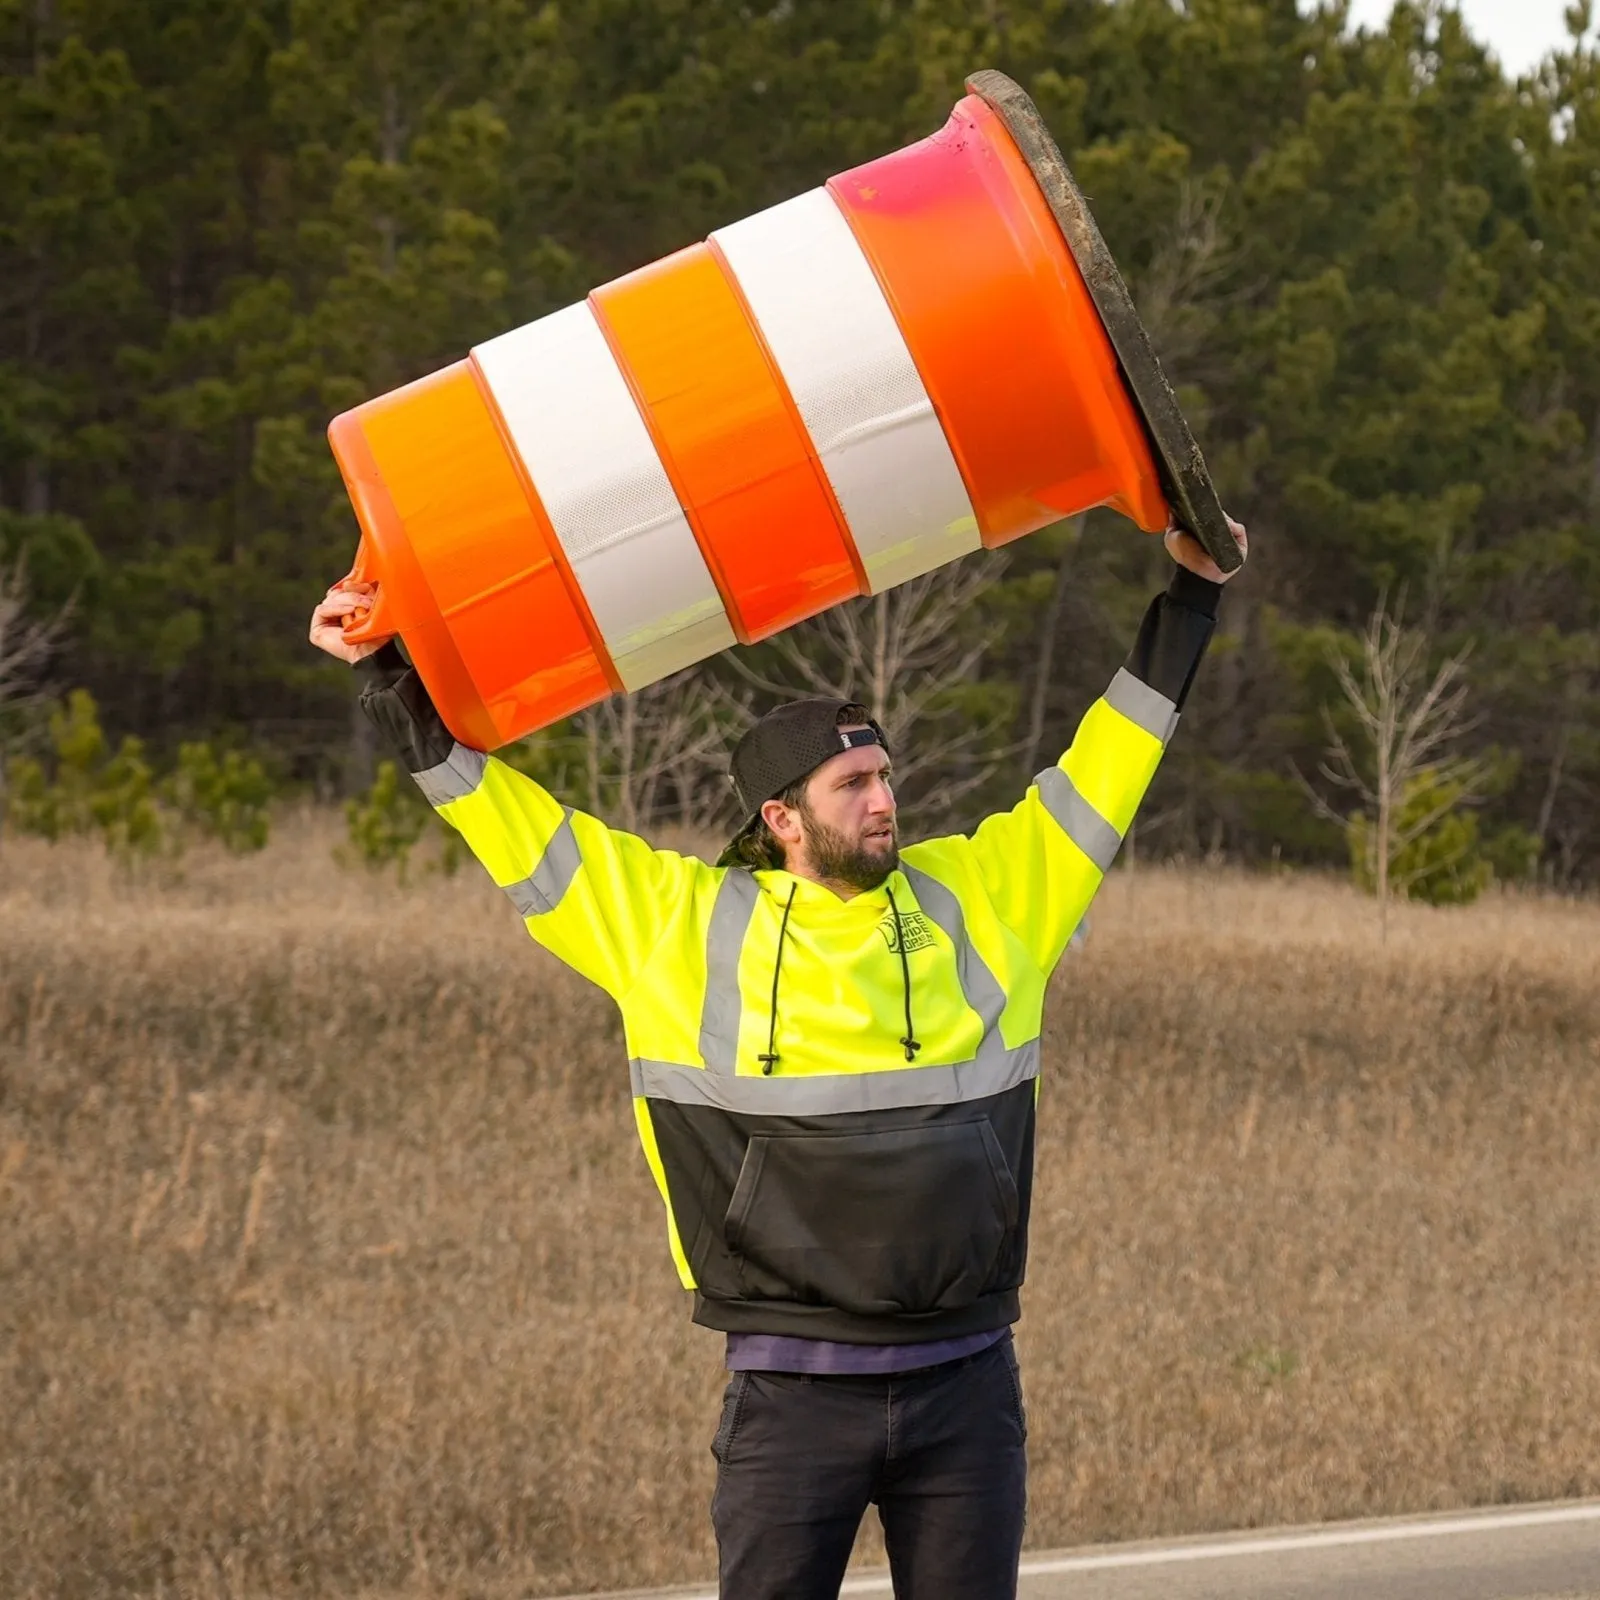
1188	552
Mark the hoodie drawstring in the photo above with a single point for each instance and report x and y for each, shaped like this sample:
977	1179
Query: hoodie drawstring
910	1041
770	1059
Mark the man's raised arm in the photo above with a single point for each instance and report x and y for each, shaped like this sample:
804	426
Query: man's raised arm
1042	862
596	897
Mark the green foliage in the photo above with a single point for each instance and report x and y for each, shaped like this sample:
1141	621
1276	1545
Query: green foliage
556	757
1443	865
59	558
58	802
123	804
32	803
1375	282
1271	806
1267	1364
453	853
1513	853
83	788
221	797
85	791
384	825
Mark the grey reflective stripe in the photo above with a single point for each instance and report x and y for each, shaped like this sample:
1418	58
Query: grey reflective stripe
979	986
719	1015
542	889
833	1093
1079	820
455	777
1143	706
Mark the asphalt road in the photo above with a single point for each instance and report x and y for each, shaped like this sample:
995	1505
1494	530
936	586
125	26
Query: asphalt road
1547	1552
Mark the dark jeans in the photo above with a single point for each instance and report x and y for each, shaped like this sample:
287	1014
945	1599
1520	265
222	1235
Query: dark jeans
939	1452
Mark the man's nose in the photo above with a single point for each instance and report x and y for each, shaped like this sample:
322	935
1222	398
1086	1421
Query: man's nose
881	802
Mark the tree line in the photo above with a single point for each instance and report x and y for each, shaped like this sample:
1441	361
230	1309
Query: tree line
1370	263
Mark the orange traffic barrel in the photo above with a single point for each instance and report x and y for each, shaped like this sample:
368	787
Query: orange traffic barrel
931	354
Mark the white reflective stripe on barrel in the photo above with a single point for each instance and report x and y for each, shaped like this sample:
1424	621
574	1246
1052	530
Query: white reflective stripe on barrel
830	330
573	421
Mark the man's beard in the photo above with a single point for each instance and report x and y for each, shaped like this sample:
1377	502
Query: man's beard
836	858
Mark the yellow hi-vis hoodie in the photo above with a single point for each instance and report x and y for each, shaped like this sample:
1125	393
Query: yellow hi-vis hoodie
835	1097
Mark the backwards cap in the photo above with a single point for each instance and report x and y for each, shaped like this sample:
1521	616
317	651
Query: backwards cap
789	743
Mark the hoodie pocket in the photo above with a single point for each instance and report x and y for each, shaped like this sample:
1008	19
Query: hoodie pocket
894	1221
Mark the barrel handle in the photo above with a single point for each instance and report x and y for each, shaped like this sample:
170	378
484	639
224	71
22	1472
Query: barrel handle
370	624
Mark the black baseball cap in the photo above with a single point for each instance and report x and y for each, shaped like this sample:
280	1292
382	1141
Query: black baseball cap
789	743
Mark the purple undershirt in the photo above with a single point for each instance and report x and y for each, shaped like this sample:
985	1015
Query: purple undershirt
778	1352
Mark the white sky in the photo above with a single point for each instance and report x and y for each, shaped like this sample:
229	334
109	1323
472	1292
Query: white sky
1518	31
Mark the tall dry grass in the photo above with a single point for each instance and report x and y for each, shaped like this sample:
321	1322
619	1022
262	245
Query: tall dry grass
327	1264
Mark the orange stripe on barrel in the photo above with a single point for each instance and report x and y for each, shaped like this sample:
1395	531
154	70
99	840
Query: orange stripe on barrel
1002	329
407	601
484	555
731	441
801	432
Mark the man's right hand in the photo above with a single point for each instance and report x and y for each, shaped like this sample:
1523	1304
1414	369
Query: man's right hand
345	598
1188	552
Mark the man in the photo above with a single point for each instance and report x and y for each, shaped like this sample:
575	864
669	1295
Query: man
834	1055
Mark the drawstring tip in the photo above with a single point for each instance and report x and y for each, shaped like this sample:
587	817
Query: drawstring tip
770	1059
909	1043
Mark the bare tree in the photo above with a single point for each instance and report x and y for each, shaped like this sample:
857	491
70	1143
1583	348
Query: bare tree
900	653
1574	712
25	646
25	642
1408	721
672	735
1184	278
1070	534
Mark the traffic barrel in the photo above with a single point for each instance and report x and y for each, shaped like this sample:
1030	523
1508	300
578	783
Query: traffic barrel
931	354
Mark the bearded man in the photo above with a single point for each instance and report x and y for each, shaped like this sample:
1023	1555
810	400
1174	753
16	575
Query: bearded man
833	1047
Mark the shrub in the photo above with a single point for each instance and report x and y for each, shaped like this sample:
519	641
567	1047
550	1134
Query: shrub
384	825
224	798
1514	853
387	823
85	792
55	805
123	803
1445	865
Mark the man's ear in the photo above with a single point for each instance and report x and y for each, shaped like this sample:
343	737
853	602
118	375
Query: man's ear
783	821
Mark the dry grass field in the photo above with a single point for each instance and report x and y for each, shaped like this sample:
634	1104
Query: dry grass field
328	1265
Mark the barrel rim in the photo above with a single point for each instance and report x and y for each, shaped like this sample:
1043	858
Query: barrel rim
1184	476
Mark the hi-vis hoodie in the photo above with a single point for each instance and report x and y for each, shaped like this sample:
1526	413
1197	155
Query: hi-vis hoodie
835	1098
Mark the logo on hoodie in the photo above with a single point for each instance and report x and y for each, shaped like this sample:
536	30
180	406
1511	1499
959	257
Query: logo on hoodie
916	927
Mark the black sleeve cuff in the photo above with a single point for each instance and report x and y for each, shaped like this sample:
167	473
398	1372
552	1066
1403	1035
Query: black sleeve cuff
1194	593
396	702
384	665
1173	636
